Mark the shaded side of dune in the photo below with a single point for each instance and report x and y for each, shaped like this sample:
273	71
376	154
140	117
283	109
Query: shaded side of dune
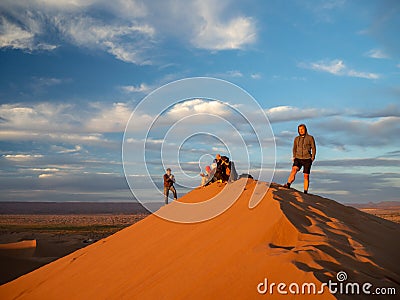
335	238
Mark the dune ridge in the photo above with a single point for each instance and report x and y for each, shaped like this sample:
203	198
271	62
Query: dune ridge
288	237
26	244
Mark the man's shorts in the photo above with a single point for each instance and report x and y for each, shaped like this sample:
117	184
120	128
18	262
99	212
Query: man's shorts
305	163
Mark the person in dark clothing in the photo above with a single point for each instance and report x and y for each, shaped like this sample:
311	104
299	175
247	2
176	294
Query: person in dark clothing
169	181
304	151
226	168
218	175
222	166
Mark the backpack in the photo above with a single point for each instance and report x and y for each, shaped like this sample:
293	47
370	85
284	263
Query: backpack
228	170
225	158
227	165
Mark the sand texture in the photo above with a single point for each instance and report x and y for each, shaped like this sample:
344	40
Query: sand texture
288	237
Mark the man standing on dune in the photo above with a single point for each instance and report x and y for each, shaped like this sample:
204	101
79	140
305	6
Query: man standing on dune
169	181
304	151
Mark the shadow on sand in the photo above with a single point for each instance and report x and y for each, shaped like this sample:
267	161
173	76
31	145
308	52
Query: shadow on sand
341	238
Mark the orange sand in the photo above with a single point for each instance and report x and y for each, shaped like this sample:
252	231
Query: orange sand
288	237
19	245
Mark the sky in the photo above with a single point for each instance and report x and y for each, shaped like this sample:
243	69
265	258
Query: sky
72	73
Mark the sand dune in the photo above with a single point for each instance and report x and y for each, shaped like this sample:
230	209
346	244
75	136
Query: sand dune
22	249
288	237
19	245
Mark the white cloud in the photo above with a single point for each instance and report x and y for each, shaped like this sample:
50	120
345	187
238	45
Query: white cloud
323	10
71	124
198	106
213	24
391	110
47	118
73	138
124	8
62	4
214	34
123	41
374	132
112	119
37	118
256	76
63	123
47	81
366	75
15	135
208	24
234	73
40	84
334	67
56	136
127	8
34	22
15	37
45	175
133	29
290	113
22	157
227	74
66	150
377	53
45	169
142	88
337	67
218	149
296	78
331	4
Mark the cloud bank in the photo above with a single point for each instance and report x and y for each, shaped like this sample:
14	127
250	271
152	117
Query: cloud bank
131	31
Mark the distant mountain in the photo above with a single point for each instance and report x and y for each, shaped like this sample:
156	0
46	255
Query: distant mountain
383	204
49	208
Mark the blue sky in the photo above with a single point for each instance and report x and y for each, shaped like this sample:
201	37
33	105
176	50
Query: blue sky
73	71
